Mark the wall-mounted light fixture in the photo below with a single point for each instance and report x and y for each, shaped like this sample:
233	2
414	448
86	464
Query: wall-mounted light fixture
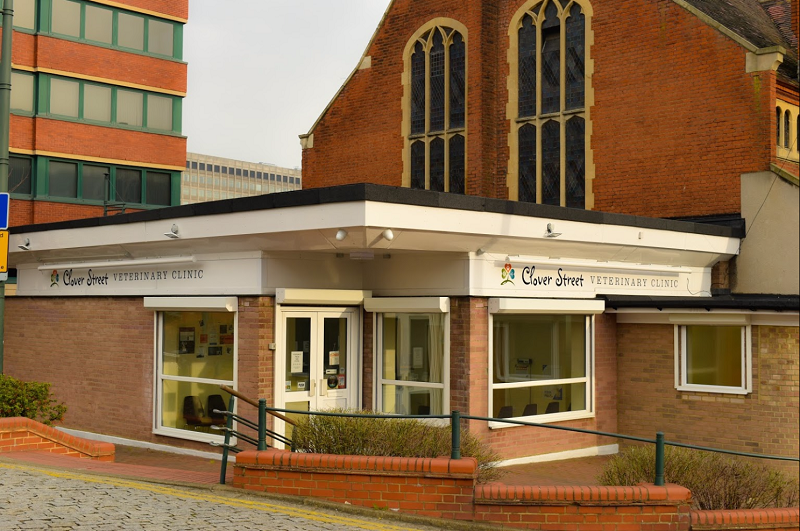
26	246
549	232
480	251
388	235
173	232
341	234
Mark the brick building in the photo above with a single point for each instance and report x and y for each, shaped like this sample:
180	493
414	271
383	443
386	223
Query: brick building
97	88
521	264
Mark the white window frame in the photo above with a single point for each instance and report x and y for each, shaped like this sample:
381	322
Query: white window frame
189	304
681	383
587	308
408	305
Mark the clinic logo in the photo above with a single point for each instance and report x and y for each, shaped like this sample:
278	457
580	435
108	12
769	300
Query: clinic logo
507	273
54	278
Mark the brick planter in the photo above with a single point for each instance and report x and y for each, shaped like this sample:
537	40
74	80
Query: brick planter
18	434
440	487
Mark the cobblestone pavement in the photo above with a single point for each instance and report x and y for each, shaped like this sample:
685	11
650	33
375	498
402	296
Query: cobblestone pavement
36	498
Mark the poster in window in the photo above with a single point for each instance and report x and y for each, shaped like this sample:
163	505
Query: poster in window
297	361
333	357
186	340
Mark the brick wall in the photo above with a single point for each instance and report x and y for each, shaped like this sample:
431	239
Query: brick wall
644	507
105	63
368	371
765	421
676	118
438	487
746	520
98	353
175	8
78	139
445	488
18	434
27	212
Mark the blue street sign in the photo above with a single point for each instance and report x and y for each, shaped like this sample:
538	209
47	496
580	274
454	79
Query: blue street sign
4	202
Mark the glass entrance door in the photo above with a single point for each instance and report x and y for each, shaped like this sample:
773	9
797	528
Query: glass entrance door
318	359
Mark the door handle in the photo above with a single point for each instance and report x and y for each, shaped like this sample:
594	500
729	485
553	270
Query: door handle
323	387
313	388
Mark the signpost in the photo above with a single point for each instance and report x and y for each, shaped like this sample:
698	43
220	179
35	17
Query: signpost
4	202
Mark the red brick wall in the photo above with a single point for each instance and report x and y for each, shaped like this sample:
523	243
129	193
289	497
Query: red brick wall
765	421
26	212
440	487
97	352
445	488
86	140
368	370
19	434
105	63
175	8
675	118
641	508
746	520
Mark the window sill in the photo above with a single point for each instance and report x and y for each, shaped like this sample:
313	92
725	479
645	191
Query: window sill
717	390
199	436
542	419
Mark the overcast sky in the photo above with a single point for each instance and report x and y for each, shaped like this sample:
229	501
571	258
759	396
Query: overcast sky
262	71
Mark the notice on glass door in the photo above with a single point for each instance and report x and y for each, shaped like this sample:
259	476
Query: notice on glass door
333	357
297	361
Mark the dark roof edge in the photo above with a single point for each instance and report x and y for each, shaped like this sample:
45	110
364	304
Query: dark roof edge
736	301
387	194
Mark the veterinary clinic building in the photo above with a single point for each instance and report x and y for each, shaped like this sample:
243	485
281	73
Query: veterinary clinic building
404	301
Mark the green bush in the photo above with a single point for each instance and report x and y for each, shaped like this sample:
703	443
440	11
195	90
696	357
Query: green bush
717	481
388	438
29	399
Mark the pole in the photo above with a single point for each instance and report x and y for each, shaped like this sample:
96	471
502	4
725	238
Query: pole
227	443
455	428
262	424
659	459
5	118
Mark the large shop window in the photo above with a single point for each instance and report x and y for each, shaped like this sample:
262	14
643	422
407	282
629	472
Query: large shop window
413	355
541	363
195	354
713	358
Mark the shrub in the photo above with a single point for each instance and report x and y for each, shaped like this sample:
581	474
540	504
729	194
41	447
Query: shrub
388	438
717	481
29	399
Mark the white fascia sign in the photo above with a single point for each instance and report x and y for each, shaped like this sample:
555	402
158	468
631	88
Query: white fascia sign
554	278
240	276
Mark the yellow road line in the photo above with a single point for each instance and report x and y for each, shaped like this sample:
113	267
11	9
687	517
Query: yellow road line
232	502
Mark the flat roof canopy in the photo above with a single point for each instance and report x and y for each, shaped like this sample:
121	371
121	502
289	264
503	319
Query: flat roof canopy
354	218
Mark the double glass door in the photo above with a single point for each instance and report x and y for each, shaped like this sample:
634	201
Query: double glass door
318	362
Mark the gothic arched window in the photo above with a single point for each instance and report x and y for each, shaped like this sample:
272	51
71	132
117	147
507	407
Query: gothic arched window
549	128
437	107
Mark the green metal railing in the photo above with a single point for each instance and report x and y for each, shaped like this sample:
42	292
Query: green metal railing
455	424
260	428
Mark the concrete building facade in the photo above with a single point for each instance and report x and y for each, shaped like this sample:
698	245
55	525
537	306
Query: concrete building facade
209	178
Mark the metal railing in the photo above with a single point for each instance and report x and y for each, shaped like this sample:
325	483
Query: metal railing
455	428
261	428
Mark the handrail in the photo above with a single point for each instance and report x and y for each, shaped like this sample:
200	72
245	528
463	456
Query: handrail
456	418
252	402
